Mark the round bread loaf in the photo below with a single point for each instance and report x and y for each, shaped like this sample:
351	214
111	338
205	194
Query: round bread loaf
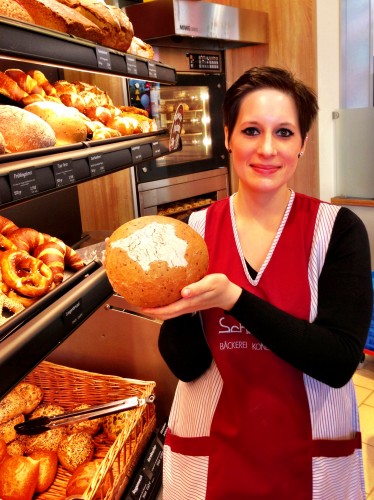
75	449
24	131
150	259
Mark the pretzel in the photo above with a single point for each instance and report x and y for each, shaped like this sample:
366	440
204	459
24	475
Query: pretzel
53	255
6	226
26	274
24	301
27	239
9	304
6	244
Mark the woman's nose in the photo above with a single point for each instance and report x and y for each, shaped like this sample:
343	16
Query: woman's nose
267	145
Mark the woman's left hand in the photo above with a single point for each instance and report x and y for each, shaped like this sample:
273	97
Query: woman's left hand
214	290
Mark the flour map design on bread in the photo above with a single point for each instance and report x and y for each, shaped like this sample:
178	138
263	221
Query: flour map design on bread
150	259
152	243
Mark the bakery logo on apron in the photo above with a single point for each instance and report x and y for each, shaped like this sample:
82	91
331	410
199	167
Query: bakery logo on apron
237	329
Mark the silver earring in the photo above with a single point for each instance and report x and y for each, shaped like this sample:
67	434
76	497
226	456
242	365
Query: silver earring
300	154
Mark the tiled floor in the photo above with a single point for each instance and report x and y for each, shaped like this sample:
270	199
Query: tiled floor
364	383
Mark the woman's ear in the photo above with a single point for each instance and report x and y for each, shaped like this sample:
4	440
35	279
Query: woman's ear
303	147
226	138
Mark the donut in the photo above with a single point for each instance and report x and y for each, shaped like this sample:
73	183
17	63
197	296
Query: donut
150	259
30	276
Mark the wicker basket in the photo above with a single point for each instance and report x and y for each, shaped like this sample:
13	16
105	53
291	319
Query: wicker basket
69	387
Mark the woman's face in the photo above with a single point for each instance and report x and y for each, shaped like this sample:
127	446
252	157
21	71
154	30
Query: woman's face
265	141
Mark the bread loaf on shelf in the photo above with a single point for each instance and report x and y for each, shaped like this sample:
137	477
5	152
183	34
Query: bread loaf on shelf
54	15
24	131
13	10
67	124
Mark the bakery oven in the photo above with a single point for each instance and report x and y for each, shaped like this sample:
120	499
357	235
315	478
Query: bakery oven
197	173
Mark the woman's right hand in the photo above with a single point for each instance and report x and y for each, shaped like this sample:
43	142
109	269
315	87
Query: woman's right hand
214	290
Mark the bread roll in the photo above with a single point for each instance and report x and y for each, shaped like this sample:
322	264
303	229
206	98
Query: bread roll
66	123
75	449
12	405
13	9
16	447
3	450
82	477
7	430
150	259
114	424
46	441
91	427
18	478
140	48
31	393
52	14
24	131
48	464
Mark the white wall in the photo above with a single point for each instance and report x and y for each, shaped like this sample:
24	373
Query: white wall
328	69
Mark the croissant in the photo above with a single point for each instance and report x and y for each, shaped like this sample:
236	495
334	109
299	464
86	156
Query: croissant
42	80
10	88
25	81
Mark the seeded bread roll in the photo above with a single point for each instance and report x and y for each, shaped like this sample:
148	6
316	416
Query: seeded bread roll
31	393
11	406
75	449
24	131
7	430
150	259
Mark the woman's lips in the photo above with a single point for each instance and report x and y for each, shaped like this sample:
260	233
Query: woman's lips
264	169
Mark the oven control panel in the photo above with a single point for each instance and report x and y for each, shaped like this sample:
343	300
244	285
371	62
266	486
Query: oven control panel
204	62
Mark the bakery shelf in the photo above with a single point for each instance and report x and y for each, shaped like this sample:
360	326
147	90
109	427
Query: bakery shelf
38	330
27	175
35	44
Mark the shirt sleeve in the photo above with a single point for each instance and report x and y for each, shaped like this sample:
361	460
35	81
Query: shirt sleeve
330	348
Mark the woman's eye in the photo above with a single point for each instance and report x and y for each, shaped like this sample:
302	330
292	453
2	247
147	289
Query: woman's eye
285	132
251	131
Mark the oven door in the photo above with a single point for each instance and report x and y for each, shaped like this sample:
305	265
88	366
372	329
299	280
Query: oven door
203	146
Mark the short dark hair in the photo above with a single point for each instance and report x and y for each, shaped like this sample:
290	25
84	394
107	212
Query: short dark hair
262	77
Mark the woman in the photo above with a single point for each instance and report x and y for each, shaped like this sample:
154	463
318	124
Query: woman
266	408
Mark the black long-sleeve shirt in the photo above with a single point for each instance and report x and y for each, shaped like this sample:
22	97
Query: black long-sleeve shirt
329	349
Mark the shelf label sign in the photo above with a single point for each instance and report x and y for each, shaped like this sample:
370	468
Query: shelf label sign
176	129
96	163
64	173
136	154
103	58
156	148
152	70
73	315
131	65
23	183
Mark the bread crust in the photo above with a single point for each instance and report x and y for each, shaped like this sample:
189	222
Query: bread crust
150	259
24	131
18	478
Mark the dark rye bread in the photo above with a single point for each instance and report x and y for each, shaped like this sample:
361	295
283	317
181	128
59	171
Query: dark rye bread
56	16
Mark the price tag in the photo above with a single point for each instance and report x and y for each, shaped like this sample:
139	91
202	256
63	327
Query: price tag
156	148
103	58
72	316
136	154
63	172
23	183
97	165
176	129
131	65
152	70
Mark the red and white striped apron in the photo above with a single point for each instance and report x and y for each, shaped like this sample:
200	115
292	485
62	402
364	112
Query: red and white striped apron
252	426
